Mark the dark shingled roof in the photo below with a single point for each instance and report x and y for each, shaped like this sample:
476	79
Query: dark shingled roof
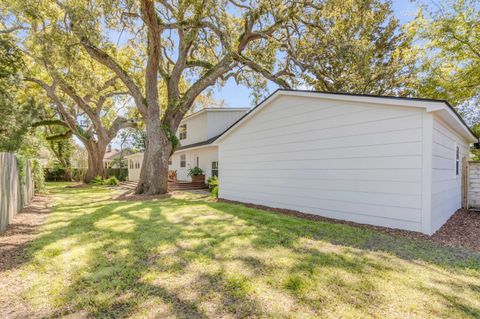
206	142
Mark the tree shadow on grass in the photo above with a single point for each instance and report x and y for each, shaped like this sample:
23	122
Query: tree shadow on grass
288	229
182	255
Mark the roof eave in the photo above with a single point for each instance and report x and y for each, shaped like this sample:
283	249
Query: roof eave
428	104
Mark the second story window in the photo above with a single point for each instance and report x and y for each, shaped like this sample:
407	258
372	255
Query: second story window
182	132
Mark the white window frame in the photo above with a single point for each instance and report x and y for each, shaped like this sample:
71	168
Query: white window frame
214	163
182	132
456	160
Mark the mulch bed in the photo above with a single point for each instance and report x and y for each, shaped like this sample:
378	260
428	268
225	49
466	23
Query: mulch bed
461	230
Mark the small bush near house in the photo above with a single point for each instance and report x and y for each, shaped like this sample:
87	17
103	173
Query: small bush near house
196	171
111	181
213	186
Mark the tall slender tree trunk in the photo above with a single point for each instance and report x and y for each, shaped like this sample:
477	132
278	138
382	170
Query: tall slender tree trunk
96	152
154	173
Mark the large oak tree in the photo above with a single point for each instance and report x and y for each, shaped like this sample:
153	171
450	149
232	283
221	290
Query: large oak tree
190	46
85	96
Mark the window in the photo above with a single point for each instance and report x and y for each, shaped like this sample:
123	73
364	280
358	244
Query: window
131	164
197	162
183	160
182	132
214	169
457	160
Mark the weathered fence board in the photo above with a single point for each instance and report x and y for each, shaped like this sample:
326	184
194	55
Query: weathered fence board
14	194
473	182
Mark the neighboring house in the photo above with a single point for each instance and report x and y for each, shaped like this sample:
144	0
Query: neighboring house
112	155
394	162
196	134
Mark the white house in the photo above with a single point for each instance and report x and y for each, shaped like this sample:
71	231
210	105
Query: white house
394	162
196	133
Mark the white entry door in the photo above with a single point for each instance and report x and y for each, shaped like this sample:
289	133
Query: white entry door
182	172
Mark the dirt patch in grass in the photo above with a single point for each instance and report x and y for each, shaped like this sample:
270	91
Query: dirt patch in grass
461	230
13	243
131	196
80	185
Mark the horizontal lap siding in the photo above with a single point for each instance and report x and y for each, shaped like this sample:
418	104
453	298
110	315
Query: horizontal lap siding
446	186
219	121
343	160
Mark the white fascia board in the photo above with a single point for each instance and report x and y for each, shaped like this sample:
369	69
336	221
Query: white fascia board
383	100
194	148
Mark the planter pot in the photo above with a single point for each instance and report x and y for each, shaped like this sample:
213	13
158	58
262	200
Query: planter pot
198	179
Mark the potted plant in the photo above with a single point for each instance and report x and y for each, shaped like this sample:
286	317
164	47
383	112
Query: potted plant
197	175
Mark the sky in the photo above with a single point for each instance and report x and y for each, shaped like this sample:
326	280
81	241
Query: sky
240	96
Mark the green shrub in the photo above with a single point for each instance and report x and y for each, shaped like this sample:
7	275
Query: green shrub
213	186
112	181
196	171
38	176
97	180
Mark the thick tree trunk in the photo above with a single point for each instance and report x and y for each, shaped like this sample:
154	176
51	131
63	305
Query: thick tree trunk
67	173
96	152
154	173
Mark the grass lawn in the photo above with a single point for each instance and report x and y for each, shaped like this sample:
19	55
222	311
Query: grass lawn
191	257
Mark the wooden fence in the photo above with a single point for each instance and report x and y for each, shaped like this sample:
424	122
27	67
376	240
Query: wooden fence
15	191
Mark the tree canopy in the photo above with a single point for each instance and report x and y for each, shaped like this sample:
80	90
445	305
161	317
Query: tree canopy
352	46
17	109
450	37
